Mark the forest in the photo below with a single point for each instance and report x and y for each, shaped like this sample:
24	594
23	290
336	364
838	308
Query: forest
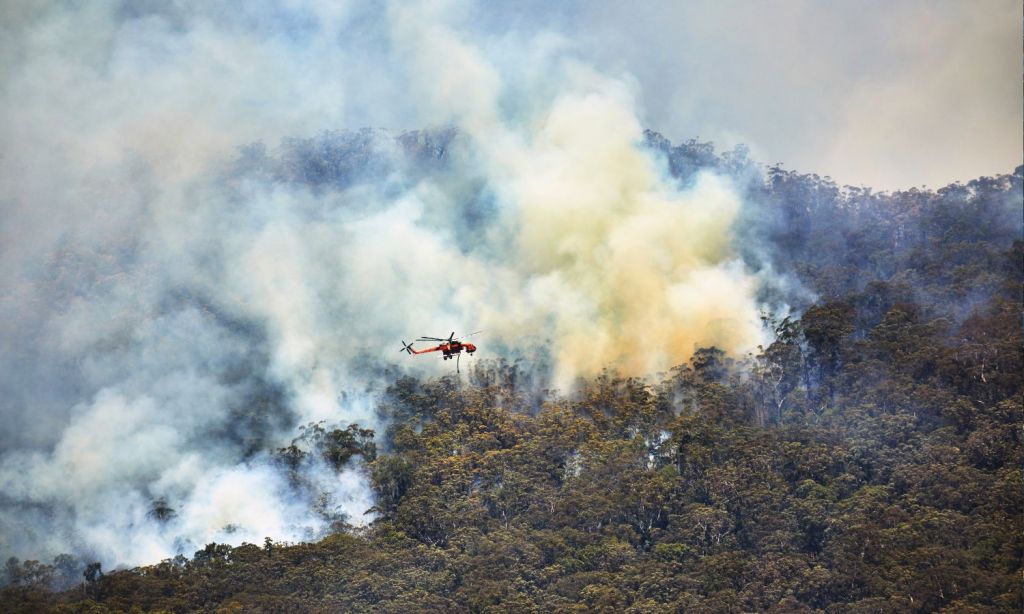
868	459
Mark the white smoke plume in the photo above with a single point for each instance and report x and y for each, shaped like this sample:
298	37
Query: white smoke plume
173	309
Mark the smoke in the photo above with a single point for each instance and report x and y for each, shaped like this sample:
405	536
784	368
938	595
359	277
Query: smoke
624	268
176	307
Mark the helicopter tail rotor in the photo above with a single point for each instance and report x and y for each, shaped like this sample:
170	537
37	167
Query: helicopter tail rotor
406	347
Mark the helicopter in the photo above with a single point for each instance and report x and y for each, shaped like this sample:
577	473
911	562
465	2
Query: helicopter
449	348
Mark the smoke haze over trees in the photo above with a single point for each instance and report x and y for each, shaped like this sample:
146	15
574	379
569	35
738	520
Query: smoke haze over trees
885	416
706	382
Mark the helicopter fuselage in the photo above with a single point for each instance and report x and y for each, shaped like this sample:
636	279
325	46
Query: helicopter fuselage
449	349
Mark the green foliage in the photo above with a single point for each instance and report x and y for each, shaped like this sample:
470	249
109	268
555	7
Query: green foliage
335	446
636	497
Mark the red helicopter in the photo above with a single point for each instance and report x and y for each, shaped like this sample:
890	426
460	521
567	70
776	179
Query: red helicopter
449	348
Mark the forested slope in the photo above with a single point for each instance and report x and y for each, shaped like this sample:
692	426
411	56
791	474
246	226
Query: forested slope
868	460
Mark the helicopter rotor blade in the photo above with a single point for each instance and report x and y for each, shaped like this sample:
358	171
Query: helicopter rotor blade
430	339
451	337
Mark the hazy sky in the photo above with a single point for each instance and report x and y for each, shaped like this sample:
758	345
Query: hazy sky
877	92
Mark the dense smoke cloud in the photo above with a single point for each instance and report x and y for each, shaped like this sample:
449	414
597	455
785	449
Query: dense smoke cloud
625	269
175	307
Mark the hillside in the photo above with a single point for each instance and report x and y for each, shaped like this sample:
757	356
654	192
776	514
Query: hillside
868	459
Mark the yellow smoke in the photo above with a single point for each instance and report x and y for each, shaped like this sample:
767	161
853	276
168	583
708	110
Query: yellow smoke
613	263
638	273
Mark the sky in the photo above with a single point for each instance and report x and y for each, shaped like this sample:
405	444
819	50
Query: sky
887	94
